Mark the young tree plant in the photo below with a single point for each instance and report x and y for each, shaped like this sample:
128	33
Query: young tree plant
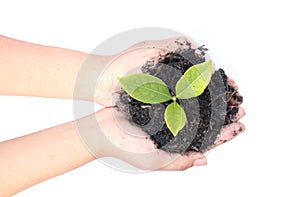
152	90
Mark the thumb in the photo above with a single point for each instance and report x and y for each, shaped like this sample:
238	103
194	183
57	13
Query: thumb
186	161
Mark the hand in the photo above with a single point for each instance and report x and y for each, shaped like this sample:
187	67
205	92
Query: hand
136	147
132	145
131	59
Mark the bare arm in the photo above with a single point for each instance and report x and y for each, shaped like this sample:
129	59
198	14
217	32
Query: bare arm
31	159
34	70
36	157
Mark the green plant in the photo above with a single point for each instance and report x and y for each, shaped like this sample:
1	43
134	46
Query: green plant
152	90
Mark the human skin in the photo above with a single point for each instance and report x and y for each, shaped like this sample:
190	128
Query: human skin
29	69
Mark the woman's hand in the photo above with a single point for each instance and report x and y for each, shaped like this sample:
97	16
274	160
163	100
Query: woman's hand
131	60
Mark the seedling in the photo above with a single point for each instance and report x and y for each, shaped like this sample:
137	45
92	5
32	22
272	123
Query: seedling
152	90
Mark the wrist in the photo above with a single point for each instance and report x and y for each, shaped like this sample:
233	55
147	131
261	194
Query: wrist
91	131
87	78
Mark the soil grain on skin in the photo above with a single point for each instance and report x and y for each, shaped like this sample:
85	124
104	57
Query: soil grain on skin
206	114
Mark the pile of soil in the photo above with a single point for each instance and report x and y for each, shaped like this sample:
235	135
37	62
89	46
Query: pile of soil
206	114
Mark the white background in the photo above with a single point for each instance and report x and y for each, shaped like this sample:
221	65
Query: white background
256	42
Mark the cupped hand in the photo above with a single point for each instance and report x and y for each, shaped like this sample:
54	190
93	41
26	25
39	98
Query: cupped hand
129	142
130	61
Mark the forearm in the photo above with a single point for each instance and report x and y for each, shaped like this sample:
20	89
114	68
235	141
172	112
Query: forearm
33	70
33	158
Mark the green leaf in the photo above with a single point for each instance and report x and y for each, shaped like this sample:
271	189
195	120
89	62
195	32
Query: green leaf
145	88
175	117
193	82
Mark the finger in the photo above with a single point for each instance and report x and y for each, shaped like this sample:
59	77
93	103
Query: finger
171	44
236	113
229	132
175	43
241	112
232	83
236	99
186	161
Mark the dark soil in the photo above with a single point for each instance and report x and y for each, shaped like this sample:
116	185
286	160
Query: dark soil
206	114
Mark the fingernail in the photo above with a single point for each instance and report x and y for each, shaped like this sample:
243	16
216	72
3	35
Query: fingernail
200	162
